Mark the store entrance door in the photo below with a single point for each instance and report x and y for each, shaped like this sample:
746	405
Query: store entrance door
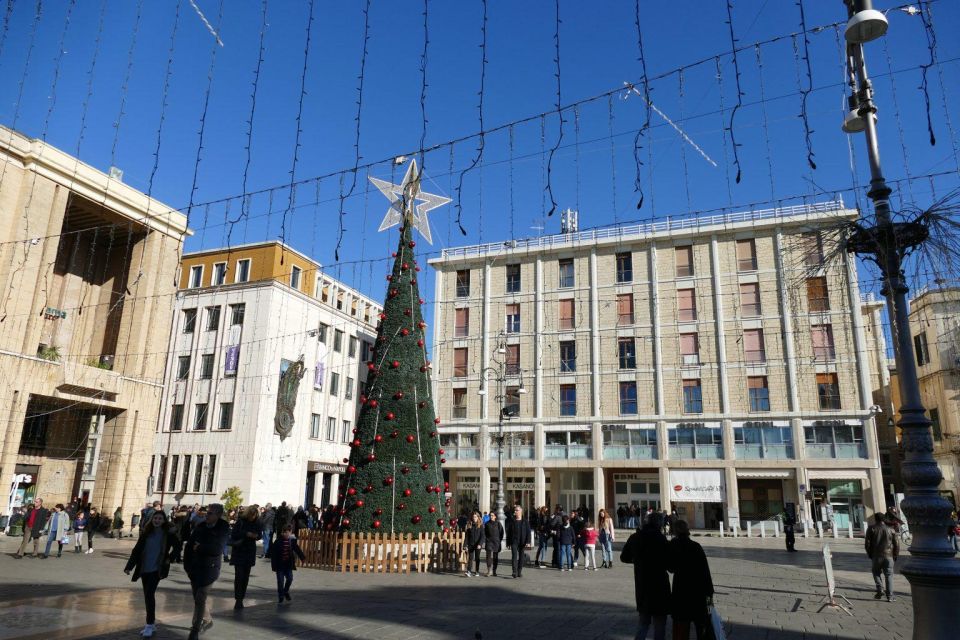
572	500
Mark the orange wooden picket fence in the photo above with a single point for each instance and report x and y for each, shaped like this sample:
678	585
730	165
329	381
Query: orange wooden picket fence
354	552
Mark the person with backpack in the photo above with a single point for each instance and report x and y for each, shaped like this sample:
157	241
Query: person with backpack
283	561
692	583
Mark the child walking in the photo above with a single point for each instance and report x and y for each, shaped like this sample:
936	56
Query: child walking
590	536
283	560
79	525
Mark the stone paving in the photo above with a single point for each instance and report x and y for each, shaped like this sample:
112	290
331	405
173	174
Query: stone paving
762	592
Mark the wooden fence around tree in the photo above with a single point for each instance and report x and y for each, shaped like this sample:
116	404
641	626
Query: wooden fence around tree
382	552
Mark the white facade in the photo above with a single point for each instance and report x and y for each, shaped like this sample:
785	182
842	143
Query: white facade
197	462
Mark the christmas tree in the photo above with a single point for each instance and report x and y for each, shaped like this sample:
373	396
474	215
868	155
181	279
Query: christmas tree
394	482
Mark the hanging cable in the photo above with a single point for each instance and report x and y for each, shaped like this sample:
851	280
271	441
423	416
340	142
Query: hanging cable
764	120
556	145
736	75
805	93
641	132
482	141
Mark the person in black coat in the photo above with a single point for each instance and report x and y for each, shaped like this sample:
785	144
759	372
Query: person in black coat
692	583
473	542
647	551
150	563
518	539
283	560
202	560
493	542
33	523
243	539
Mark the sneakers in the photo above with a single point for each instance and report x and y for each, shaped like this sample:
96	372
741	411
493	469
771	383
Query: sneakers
149	630
575	565
89	551
286	594
467	574
877	595
206	625
891	599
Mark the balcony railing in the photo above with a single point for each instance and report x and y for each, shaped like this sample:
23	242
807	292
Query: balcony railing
630	452
463	453
764	452
513	452
569	452
696	452
837	450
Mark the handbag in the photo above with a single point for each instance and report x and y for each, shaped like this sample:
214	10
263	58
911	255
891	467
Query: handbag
714	627
65	539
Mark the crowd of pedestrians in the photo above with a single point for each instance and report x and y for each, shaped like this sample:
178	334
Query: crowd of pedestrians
74	524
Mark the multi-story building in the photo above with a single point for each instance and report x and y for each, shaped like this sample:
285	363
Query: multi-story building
713	365
242	316
87	266
935	328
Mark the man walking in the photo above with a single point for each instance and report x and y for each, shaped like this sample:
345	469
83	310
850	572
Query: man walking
266	527
33	524
518	539
883	548
202	560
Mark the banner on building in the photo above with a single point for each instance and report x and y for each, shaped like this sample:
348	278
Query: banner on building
320	369
696	485
232	361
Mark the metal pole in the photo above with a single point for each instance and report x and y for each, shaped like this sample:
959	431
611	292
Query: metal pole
931	568
500	478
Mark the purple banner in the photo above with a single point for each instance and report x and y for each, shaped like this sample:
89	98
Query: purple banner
318	376
232	361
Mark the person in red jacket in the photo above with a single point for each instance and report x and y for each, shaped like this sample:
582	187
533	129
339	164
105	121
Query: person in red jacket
589	536
283	562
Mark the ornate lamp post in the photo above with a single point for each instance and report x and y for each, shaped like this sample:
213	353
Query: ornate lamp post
931	568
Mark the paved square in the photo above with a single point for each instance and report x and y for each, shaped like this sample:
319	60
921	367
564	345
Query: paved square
761	591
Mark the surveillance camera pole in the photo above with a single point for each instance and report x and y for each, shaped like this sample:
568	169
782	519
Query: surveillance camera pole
931	568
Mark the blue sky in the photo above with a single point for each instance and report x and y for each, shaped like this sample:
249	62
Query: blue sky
598	52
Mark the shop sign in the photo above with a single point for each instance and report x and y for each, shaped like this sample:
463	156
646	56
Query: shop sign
696	485
520	486
475	486
326	467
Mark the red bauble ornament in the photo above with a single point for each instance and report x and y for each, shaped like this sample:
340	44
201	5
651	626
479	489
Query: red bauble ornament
398	395
436	421
429	488
354	430
410	438
401	506
423	369
446	485
433	434
443	461
358	504
368	488
411	244
371	367
390	415
351	469
440	523
405	266
415	519
406	312
371	457
346	460
378	438
431	508
404	470
404	332
406	493
393	255
441	451
345	523
389	278
419	343
356	442
394	433
351	491
422	404
393	293
422	324
425	466
421	299
372	402
383	316
395	364
363	399
417	269
388	480
378	512
376	524
436	489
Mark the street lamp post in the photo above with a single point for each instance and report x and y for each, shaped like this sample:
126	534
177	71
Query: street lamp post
931	568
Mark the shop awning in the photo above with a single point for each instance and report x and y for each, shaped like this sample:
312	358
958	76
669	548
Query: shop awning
780	474
837	474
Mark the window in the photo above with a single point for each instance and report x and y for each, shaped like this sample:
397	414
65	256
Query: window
822	337
213	318
513	278
624	309
236	313
759	393
746	255
568	400
338	340
512	401
463	283
352	347
243	270
325	294
921	349
200	419
331	429
189	320
513	360
340	301
566	273
624	267
460	362
935	425
832	432
219	273
366	351
811	246
162	471
206	366
828	391
459	403
347	431
211	473
183	367
334	383
818	298
689	349
197	474
461	323
185	480
628	398
176	417
627	353
295	274
174	467
753	347
568	356
686	305
348	391
750	299
226	416
314	425
566	315
322	333
692	397
513	318
196	276
684	257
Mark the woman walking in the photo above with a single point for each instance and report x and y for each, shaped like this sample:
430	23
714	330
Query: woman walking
79	526
117	524
94	524
473	542
493	541
243	539
647	551
283	560
543	534
150	563
59	530
692	583
589	536
606	538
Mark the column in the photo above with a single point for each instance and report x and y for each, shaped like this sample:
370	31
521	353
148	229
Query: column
596	438
665	489
485	343
594	336
655	318
540	487
729	450
733	496
663	449
334	487
485	489
599	491
718	322
538	342
786	324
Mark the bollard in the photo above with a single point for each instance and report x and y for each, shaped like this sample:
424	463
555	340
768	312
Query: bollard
763	529
804	528
836	533
819	529
864	529
776	528
850	530
749	528
736	530
721	528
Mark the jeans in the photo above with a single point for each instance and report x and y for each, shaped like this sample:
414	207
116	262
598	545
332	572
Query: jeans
201	611
607	548
240	581
50	540
542	543
883	566
266	540
284	580
150	581
475	555
566	556
659	626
